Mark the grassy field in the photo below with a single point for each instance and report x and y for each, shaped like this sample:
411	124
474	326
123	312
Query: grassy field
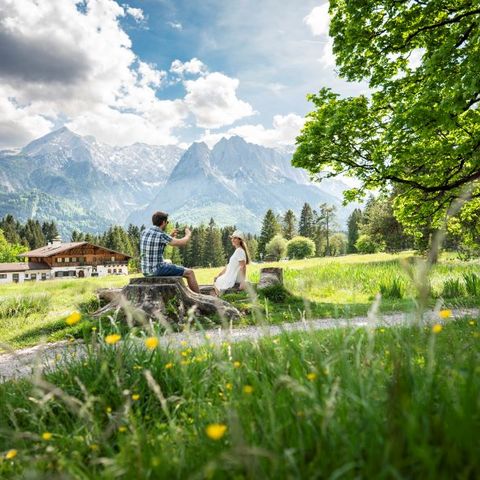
316	288
381	403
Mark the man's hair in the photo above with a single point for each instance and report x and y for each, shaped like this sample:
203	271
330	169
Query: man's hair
159	217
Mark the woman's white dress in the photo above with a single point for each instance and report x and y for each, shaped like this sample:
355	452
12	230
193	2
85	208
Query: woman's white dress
232	274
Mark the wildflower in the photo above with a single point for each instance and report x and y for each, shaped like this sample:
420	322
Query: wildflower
183	343
94	329
108	410
312	376
73	318
135	397
46	436
94	447
11	454
151	343
122	429
437	328
169	365
248	389
445	313
237	364
228	386
113	338
216	431
471	322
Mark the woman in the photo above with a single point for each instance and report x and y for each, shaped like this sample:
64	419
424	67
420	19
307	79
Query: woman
236	270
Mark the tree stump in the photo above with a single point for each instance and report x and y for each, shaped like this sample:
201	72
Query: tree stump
270	276
164	298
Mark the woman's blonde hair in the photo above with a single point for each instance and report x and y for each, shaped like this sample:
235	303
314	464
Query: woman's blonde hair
243	244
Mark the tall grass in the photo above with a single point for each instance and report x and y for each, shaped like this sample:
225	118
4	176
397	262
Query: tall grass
400	403
24	305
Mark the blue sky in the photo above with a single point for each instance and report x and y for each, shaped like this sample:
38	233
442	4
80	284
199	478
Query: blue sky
242	67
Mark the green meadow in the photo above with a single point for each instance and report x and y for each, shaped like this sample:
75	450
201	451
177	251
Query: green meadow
338	287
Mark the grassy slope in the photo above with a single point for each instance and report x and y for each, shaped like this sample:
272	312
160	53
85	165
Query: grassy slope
400	403
324	287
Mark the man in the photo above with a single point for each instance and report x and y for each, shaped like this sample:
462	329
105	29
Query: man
152	244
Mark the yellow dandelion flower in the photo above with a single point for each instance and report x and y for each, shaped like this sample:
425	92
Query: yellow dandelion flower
73	318
113	338
228	386
108	410
46	436
216	431
122	429
94	447
437	328
312	376
185	362
184	353
445	313
11	454
248	389
471	322
237	364
169	365
135	397
183	343
151	343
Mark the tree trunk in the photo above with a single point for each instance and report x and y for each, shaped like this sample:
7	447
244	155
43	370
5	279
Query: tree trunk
270	276
164	298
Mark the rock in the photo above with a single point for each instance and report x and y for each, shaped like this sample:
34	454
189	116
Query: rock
108	294
270	276
166	298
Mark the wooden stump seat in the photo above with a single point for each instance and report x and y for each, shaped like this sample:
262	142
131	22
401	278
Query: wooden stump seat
164	297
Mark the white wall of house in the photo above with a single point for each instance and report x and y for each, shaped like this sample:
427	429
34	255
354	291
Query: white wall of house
25	276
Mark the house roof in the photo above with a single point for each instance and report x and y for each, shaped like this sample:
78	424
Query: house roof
56	248
22	267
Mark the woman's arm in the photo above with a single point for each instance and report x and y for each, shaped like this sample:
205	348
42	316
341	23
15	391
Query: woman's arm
221	273
243	274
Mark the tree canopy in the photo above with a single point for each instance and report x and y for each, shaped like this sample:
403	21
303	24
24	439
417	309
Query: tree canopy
419	128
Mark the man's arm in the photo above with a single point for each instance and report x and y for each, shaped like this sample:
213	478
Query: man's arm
180	242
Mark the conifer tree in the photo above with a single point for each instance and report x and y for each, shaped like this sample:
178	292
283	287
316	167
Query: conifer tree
49	230
270	227
306	227
11	229
214	253
33	235
289	225
354	222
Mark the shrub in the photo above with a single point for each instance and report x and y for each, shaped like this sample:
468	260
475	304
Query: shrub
392	289
472	284
453	288
276	247
366	244
276	293
338	244
300	247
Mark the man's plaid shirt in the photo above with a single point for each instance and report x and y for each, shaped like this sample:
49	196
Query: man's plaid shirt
152	244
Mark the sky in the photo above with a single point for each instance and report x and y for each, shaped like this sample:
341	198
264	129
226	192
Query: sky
163	71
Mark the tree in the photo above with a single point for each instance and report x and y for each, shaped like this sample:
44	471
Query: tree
324	221
33	235
306	227
419	129
276	247
9	252
50	231
354	222
214	254
338	244
289	225
11	229
366	244
300	247
270	227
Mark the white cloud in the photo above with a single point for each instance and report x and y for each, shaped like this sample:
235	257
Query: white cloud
285	129
136	13
328	58
213	100
192	67
318	20
59	62
175	25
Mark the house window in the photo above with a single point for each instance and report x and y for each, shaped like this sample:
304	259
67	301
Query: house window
3	275
67	260
33	276
59	260
112	259
15	278
74	259
44	276
114	270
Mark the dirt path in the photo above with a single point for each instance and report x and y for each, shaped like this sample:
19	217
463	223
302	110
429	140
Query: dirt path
28	361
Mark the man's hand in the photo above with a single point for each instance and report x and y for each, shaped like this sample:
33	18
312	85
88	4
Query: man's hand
174	233
188	232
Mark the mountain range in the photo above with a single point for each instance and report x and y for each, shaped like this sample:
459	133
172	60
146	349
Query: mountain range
87	185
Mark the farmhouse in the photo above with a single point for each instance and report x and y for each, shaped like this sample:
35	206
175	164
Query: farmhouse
57	259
